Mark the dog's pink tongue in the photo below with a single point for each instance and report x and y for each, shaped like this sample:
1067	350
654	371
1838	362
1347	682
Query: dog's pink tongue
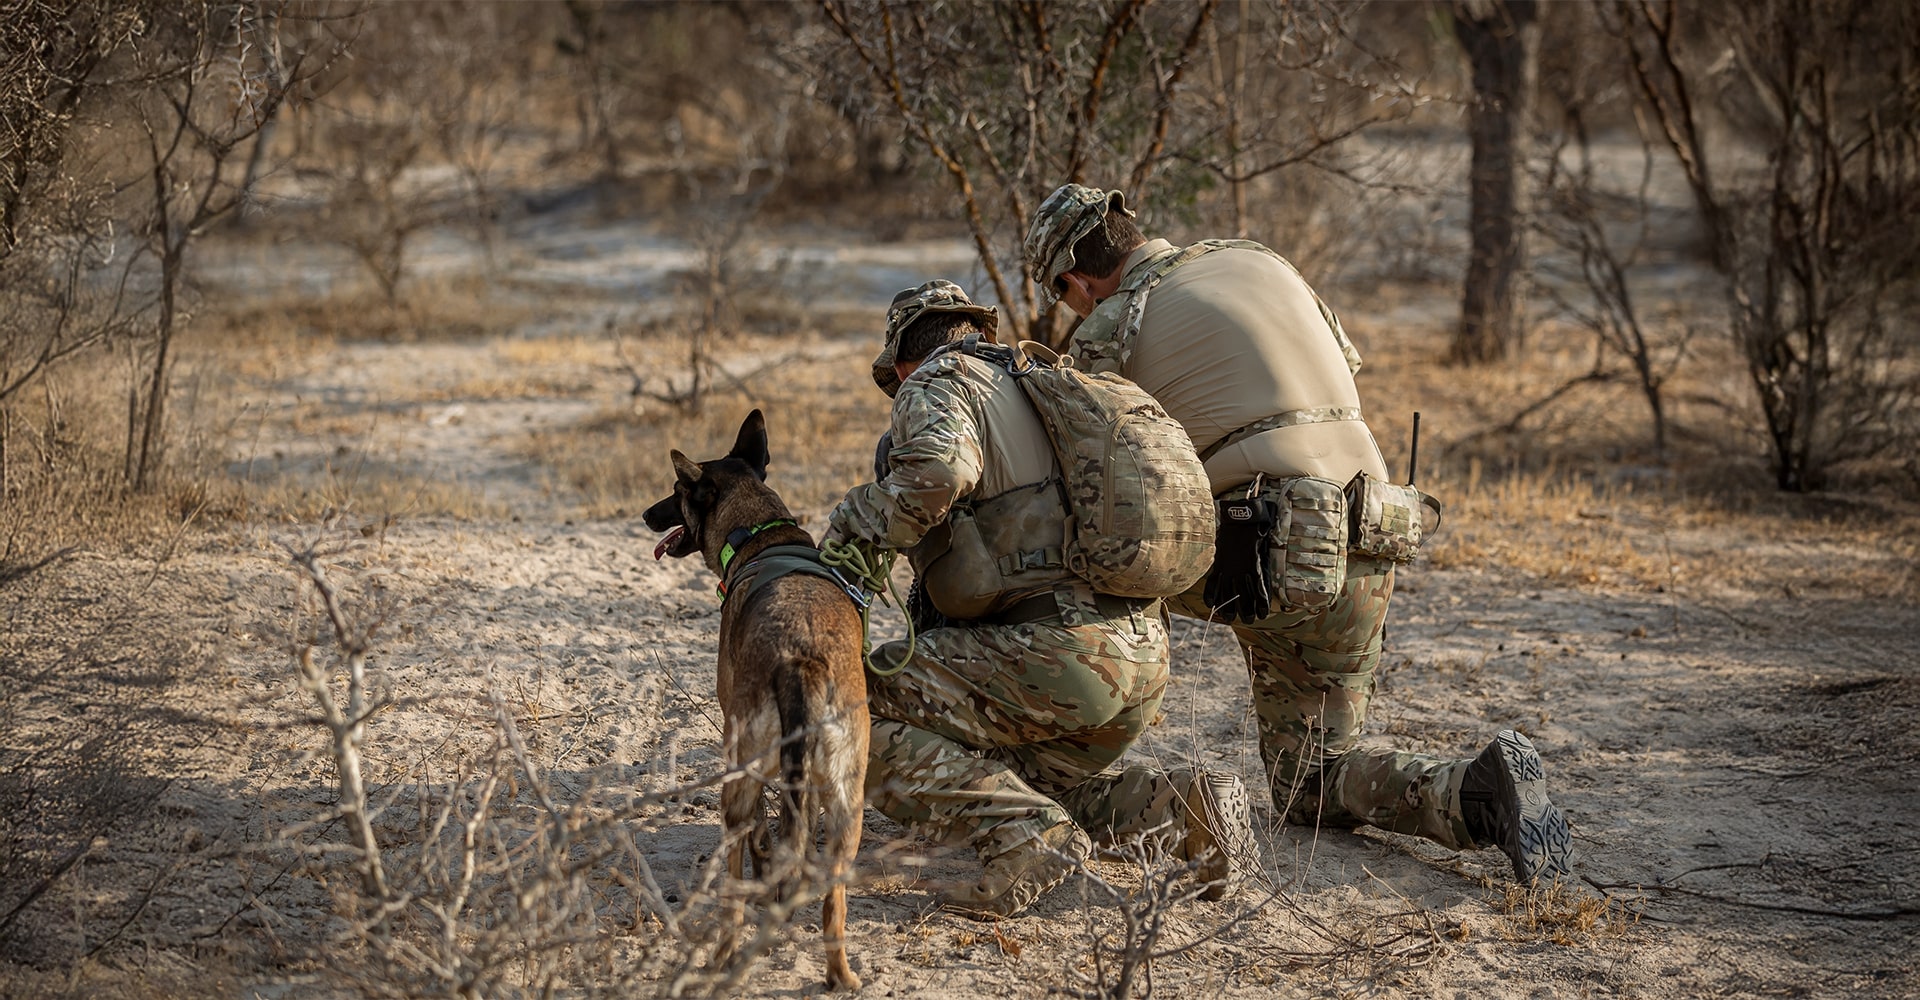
667	542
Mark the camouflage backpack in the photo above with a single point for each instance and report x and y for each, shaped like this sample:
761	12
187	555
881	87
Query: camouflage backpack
1137	497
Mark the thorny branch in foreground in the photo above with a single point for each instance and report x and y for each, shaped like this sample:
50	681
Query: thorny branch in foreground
500	887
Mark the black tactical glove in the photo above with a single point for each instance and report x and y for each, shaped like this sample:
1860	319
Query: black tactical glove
1237	584
880	464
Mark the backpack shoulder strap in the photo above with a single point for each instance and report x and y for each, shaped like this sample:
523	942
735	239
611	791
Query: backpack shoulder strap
1010	358
1142	280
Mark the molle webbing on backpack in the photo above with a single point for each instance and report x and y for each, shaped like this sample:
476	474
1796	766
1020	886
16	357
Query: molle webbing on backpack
1288	418
1139	505
995	549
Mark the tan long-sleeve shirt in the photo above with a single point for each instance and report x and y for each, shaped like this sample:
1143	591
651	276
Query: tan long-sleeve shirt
1229	338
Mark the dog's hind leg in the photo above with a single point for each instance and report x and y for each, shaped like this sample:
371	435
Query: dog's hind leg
843	842
844	802
741	816
743	825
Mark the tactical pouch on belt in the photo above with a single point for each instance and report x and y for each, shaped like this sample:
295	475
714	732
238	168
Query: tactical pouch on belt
1240	584
1388	521
990	552
1309	557
1302	558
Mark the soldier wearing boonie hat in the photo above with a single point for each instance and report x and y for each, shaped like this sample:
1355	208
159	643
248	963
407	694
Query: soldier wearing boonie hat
1229	338
909	304
1069	213
998	729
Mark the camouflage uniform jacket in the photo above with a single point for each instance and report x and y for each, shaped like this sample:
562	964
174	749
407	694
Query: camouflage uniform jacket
963	435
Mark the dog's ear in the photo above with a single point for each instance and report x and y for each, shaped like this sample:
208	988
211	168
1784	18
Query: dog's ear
751	446
686	468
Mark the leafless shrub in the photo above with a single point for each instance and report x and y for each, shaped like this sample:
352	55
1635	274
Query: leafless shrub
726	190
1124	954
1598	218
484	880
1794	126
1009	100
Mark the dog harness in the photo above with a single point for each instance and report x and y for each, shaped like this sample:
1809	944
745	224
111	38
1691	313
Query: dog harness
776	562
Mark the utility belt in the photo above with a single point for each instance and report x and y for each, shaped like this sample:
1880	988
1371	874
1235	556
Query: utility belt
1072	609
1282	543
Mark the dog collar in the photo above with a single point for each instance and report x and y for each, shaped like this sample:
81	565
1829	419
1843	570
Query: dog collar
739	536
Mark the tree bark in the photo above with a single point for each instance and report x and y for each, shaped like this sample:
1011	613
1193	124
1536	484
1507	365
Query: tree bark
1502	41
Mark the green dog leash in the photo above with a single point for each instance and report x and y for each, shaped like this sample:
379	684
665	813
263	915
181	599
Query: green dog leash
872	568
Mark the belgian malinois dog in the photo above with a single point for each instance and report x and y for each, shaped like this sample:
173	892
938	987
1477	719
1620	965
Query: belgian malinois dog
791	673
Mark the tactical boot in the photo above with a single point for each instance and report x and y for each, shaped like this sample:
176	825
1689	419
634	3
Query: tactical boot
1015	879
1503	799
1220	832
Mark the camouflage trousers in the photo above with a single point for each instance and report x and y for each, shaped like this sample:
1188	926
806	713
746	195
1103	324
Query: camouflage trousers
992	734
1313	677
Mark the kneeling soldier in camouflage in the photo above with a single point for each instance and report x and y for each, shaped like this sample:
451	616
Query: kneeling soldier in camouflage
1231	340
996	730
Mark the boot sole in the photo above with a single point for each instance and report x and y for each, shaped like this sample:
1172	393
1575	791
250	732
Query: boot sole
1225	862
1538	840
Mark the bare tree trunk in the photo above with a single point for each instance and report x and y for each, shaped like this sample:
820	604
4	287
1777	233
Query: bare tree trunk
1502	40
249	204
151	430
1233	124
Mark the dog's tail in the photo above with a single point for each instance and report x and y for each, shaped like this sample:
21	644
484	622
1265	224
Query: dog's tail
796	801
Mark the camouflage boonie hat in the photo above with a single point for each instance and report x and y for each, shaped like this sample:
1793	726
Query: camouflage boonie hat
1070	212
909	304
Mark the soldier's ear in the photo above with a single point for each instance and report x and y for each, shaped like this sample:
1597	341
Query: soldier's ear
751	446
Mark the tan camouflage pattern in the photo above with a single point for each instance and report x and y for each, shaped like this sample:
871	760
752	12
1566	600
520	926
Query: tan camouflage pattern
1389	521
1069	213
1313	678
1138	804
909	304
1312	670
997	552
1288	418
1137	492
1313	553
992	734
937	457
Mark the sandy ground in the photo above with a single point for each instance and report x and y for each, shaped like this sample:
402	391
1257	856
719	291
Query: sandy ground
1737	765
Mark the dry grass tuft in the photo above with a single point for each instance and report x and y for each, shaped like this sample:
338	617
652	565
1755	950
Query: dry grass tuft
429	309
63	481
1557	527
1561	912
1571	493
381	491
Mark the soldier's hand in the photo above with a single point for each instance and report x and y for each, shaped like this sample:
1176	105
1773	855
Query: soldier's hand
839	526
1236	585
881	464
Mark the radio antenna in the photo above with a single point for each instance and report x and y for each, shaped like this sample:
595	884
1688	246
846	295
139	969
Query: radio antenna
1413	459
